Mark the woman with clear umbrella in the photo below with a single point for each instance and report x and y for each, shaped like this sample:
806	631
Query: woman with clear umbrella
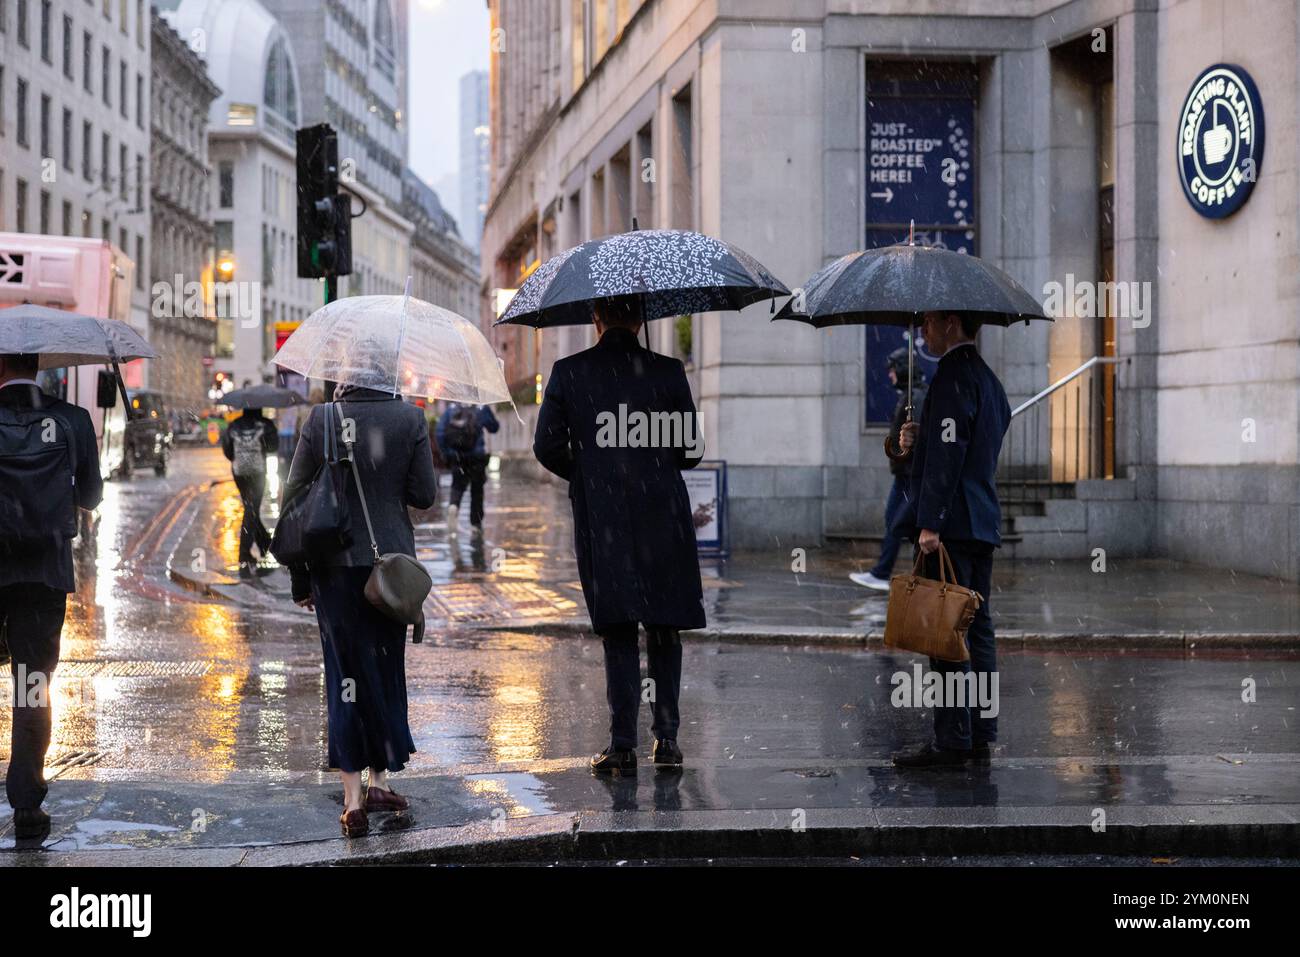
376	348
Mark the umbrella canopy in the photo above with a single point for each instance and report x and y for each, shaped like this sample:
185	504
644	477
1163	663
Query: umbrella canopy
262	397
894	285
672	272
68	338
396	344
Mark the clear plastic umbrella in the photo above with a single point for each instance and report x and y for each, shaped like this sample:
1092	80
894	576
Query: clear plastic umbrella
396	344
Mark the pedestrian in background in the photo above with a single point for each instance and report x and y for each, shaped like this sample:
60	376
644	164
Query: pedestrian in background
954	500
364	650
462	441
900	467
633	533
249	439
50	446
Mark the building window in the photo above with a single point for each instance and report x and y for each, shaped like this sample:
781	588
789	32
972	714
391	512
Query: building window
67	139
139	183
67	47
139	23
122	14
67	218
86	221
22	114
106	230
104	148
87	48
46	28
45	126
121	170
139	100
226	184
123	244
22	29
122	99
20	206
45	213
87	138
105	73
279	92
139	262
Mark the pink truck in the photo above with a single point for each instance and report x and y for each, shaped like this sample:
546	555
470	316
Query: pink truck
89	276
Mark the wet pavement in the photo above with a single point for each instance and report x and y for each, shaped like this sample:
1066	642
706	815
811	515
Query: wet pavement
189	708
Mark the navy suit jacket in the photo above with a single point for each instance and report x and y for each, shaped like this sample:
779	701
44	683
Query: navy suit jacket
953	489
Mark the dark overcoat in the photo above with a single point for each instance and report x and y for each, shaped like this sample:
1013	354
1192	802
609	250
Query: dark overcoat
633	532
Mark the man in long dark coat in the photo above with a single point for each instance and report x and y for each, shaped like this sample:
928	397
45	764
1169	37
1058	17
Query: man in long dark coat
619	424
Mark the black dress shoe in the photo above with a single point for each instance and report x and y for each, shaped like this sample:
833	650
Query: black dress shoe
666	754
31	823
932	757
614	761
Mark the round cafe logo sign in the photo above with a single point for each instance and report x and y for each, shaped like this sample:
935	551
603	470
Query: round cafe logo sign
1220	140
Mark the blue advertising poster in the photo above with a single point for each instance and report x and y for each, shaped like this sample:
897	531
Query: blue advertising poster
920	167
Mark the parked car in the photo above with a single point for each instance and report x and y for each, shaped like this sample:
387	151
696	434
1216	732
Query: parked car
148	434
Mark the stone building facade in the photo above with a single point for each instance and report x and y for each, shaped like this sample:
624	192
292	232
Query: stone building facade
1046	136
444	270
181	95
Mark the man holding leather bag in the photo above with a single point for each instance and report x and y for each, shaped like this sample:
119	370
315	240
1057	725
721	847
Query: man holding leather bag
954	499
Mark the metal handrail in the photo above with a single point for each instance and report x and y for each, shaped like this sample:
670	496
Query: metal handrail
1095	360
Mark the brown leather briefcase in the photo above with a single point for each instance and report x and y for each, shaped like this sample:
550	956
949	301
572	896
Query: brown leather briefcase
930	617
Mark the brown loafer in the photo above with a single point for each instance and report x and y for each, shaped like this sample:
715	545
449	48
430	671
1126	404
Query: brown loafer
354	823
378	800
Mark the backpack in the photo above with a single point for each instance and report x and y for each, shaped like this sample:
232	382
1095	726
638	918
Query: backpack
462	428
249	454
38	500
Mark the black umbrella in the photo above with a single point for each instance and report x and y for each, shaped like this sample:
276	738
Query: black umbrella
896	285
261	397
670	272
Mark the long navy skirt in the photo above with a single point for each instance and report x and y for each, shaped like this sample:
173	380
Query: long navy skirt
365	674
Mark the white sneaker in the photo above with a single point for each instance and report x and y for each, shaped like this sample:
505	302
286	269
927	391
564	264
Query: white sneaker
453	519
868	580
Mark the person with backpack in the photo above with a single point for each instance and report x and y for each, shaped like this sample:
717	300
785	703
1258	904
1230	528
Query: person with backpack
49	467
249	439
901	468
460	438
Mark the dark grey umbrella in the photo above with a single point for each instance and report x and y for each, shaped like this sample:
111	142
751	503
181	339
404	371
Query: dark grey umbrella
671	272
897	285
261	397
70	339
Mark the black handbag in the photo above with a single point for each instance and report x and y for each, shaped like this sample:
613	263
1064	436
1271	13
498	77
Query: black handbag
316	524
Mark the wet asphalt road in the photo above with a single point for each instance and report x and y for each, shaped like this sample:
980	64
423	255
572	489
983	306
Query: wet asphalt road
159	684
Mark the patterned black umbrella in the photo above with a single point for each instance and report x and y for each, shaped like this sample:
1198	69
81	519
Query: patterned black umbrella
672	272
895	285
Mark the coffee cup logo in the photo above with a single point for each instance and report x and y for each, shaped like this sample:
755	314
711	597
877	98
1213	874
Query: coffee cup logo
1220	140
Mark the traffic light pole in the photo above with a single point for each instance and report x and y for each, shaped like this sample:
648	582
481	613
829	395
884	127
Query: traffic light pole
331	293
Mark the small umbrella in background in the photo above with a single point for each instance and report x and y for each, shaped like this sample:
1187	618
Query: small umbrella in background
396	344
70	339
671	272
262	397
896	285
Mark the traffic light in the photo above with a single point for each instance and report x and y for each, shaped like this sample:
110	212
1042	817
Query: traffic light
324	214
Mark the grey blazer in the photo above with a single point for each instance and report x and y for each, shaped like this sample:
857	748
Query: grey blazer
396	464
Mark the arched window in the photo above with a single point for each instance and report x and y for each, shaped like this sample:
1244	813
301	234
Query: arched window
280	92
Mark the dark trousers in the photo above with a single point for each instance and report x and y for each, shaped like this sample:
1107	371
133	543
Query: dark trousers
623	681
960	728
469	470
251	530
891	543
31	617
365	674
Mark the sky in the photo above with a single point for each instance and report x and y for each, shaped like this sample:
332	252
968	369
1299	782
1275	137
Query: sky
448	38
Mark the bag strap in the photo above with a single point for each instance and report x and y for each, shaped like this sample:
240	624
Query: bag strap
361	494
947	575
